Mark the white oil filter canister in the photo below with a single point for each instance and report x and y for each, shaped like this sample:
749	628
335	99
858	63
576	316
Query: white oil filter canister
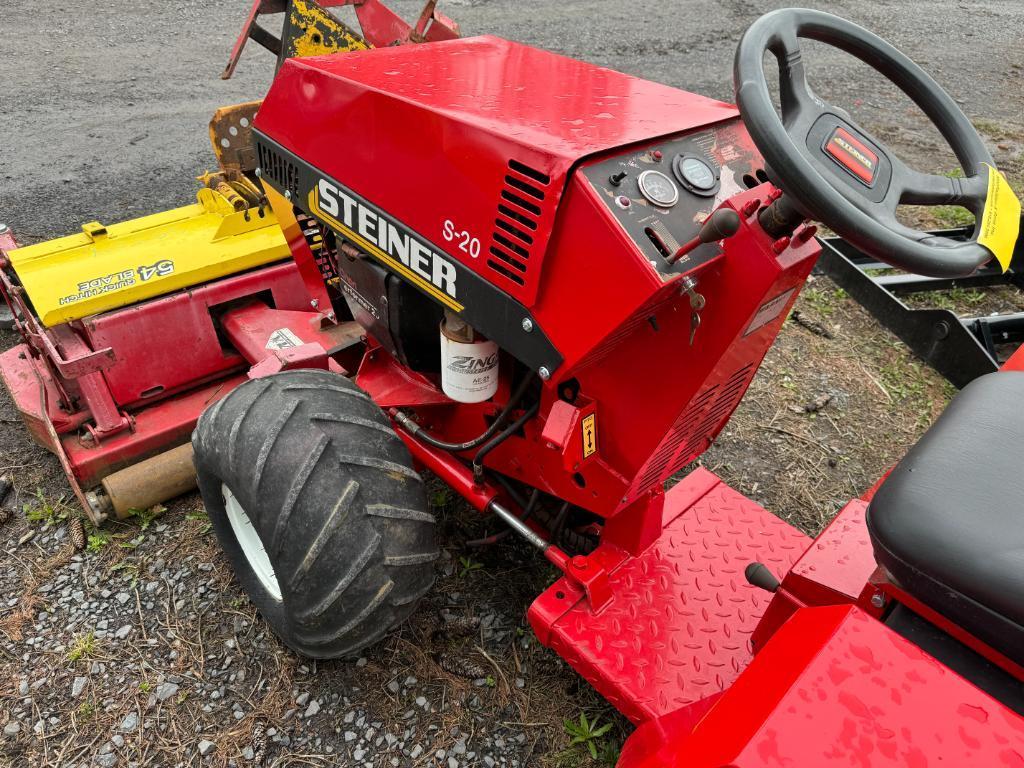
469	363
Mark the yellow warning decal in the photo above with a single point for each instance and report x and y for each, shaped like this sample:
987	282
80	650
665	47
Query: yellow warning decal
1000	221
589	435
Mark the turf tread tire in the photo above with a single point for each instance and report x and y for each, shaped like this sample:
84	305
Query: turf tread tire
330	489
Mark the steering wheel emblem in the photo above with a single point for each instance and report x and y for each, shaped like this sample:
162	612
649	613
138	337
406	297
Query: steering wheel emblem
852	154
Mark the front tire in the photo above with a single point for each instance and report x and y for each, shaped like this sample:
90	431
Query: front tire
314	499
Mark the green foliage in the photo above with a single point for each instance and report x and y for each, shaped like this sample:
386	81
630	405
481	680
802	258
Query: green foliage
42	511
955	299
587	735
201	515
147	516
97	541
86	710
952	215
130	569
83	647
823	301
468	566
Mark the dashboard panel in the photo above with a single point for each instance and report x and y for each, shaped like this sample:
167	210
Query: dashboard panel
661	192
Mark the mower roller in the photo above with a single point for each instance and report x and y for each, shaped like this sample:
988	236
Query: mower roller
550	285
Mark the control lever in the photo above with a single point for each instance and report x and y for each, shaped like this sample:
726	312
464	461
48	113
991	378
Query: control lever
723	223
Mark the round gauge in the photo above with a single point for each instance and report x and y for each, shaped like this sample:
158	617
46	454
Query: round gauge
658	188
695	174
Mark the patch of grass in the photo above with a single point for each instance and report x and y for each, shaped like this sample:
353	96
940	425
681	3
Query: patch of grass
86	710
147	516
83	647
42	511
955	299
952	215
991	129
823	301
96	542
440	498
201	515
588	735
145	687
468	565
131	543
130	569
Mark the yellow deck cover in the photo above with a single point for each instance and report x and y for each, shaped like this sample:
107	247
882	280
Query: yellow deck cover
108	267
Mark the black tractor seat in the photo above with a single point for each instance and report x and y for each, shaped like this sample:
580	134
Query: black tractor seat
948	523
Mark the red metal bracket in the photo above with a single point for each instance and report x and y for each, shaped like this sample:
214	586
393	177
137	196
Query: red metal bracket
590	573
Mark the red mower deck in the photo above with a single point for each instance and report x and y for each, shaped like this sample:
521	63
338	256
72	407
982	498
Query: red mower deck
677	632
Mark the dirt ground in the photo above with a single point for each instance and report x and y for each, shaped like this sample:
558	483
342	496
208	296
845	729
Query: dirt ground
142	650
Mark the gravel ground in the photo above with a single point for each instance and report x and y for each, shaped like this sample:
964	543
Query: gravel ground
141	650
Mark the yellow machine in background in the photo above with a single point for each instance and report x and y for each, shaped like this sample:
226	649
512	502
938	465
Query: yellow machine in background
105	267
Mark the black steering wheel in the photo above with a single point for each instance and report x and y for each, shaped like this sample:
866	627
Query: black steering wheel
839	174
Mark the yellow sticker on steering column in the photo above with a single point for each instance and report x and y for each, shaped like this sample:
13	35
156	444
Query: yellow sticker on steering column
1000	221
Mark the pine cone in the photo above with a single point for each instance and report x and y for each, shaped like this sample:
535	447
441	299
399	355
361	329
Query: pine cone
461	625
462	667
6	483
259	741
77	533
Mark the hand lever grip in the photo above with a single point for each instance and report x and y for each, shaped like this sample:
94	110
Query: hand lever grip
723	223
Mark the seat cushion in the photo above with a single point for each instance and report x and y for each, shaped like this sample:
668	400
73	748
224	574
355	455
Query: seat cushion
948	522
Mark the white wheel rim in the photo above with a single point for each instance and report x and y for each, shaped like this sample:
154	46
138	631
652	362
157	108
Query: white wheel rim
249	541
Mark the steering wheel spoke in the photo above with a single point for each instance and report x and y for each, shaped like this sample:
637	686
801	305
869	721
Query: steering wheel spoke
911	187
800	105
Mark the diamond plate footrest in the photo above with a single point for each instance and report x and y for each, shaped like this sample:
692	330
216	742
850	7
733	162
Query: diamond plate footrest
677	632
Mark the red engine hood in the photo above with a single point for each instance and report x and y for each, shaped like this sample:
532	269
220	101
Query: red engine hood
427	132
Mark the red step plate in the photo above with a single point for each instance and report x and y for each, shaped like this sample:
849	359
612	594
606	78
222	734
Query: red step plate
677	632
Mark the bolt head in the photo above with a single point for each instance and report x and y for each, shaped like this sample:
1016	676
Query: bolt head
527	324
259	173
287	194
4	229
544	373
878	600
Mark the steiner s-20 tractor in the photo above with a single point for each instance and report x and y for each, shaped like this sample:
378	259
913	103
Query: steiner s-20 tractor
550	284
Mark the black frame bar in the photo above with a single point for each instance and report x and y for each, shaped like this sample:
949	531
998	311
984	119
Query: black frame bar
961	349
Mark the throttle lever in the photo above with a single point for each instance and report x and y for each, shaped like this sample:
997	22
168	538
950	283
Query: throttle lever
723	223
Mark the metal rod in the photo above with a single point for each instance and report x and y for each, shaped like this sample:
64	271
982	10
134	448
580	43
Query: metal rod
495	538
519	526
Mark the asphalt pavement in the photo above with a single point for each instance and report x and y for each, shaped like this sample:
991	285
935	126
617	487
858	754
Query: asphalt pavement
104	105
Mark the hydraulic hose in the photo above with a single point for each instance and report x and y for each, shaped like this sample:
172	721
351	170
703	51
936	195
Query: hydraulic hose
505	434
420	433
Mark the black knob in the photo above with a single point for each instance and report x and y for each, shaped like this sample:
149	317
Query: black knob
721	224
759	576
616	178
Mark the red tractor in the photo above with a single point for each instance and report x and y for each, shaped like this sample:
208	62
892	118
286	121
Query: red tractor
550	284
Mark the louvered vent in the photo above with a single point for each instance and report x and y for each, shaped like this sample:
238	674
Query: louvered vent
278	169
515	225
694	428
